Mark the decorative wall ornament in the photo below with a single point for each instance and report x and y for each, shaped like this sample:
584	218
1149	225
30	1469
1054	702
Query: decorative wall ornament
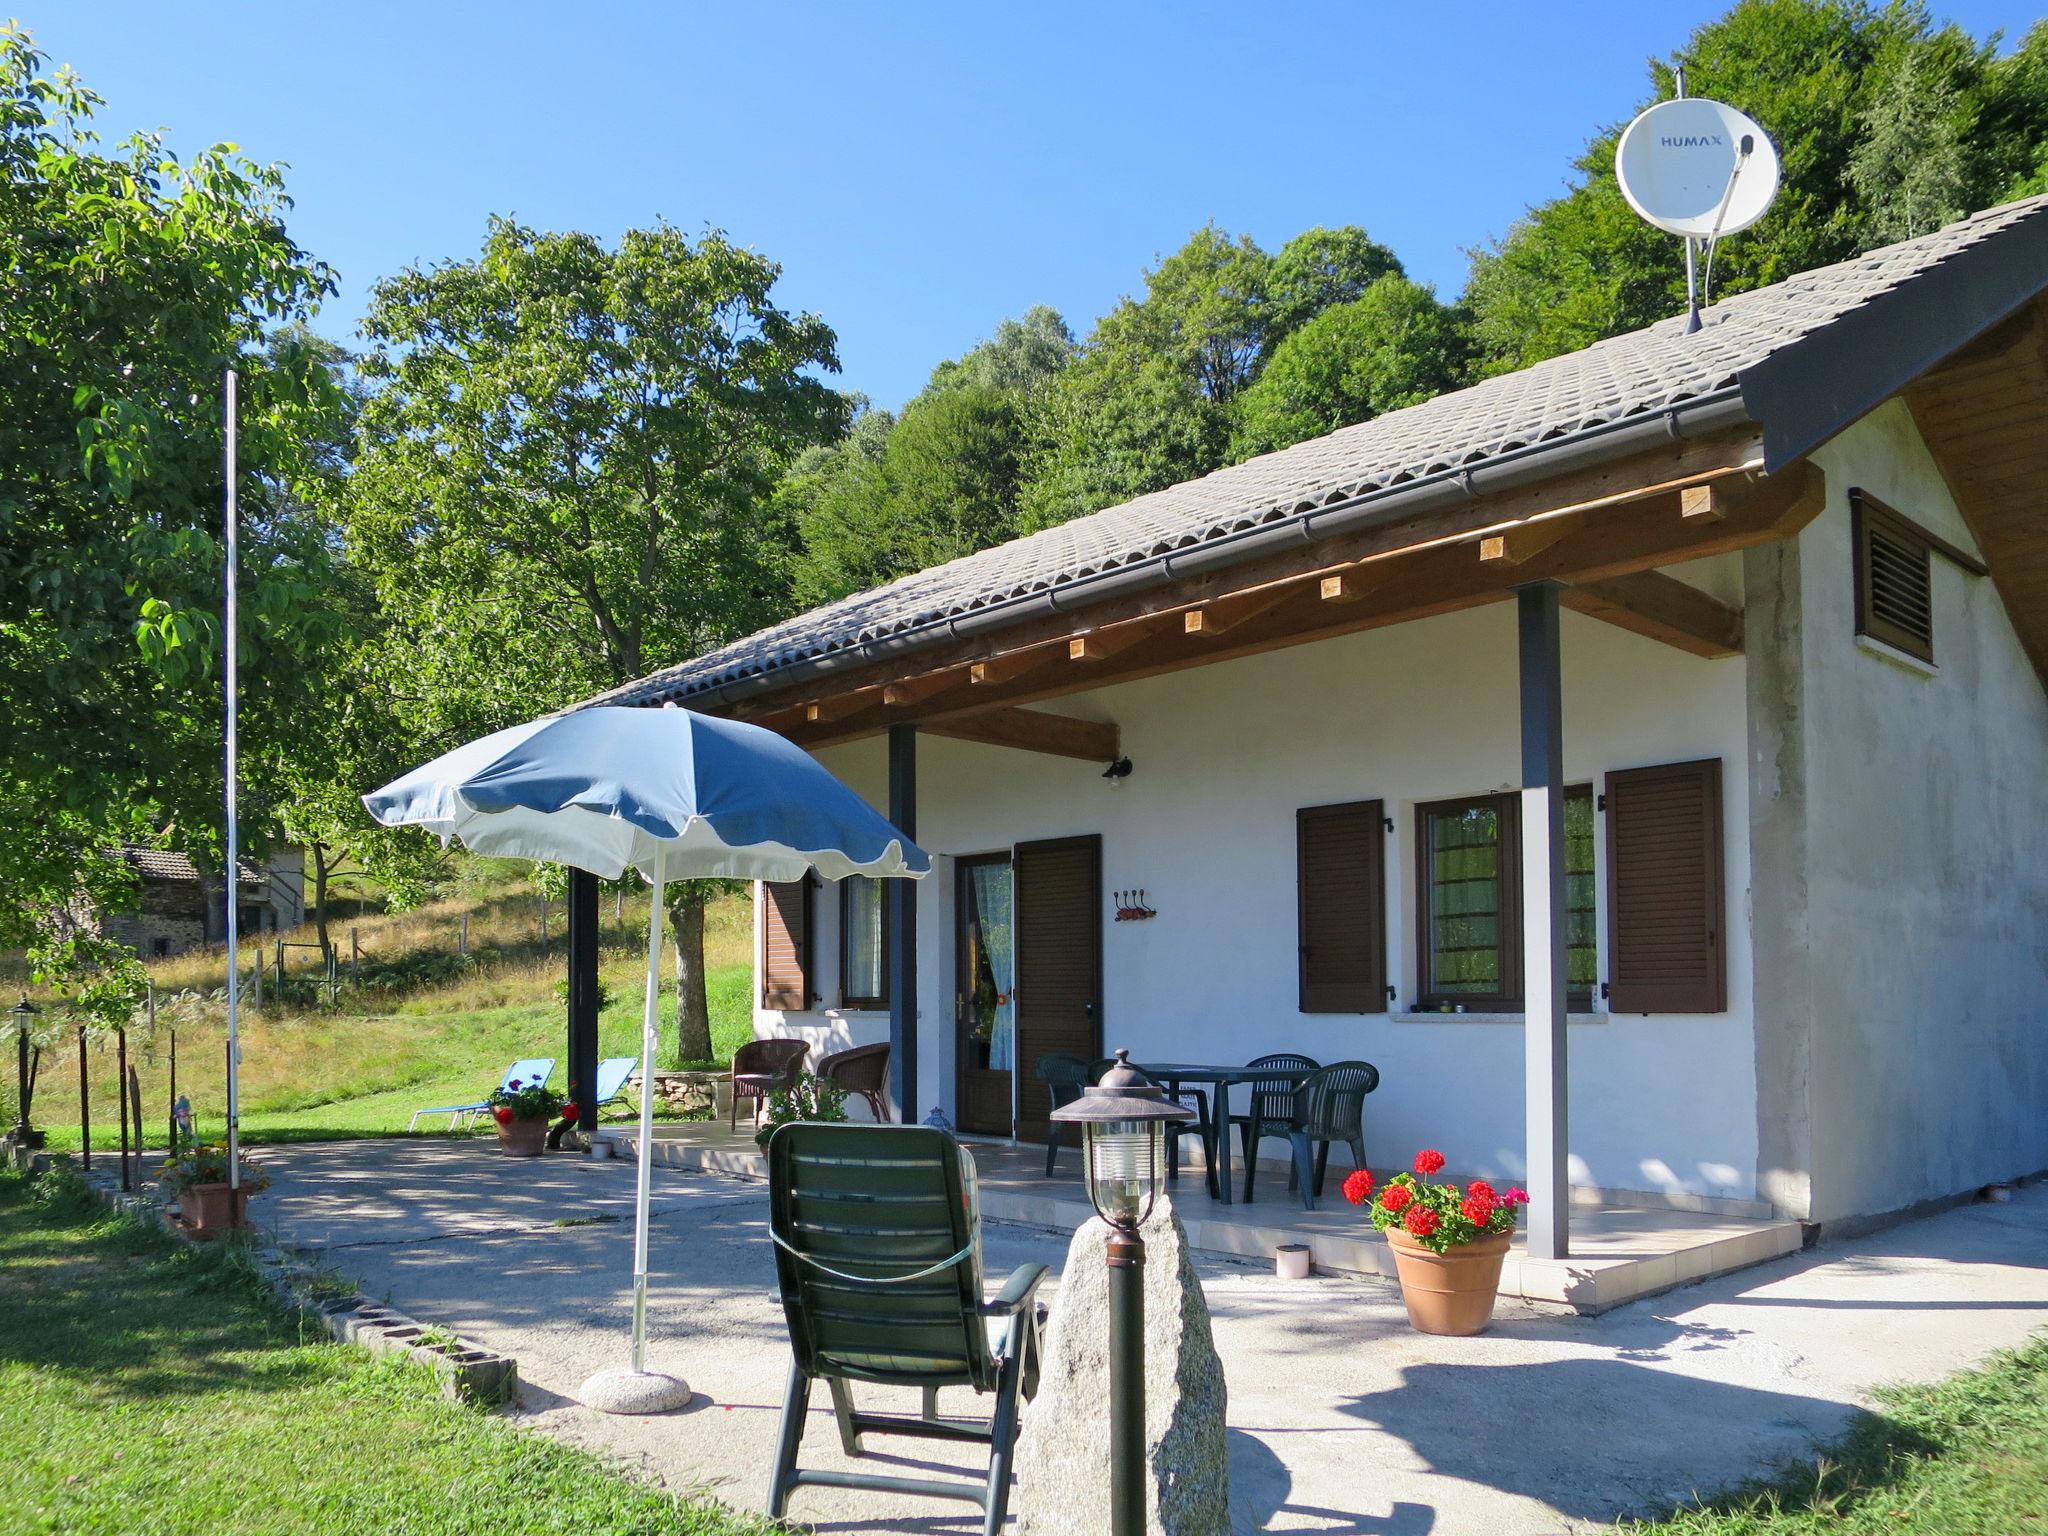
1131	907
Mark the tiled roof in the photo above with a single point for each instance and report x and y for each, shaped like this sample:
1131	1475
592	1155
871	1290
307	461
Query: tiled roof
1636	375
162	864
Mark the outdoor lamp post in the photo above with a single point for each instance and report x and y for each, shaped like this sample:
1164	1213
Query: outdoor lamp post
1122	1158
24	1015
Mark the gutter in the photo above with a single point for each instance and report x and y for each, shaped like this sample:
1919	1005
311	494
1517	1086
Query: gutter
1702	416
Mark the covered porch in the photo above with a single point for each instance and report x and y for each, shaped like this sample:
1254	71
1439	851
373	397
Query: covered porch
1623	1247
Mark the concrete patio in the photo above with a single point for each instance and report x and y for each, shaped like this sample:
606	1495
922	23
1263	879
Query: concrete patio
1341	1418
1621	1250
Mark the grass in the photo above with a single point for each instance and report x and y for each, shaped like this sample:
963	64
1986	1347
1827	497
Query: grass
363	1067
1967	1456
160	1393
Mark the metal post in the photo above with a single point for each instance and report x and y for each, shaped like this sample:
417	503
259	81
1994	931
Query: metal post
231	686
21	1125
643	1176
1543	921
121	1093
173	1142
1126	1255
583	946
84	1106
902	897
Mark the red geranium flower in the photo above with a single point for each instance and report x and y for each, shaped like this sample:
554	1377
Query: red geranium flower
1395	1196
569	1113
1358	1187
1481	1187
1428	1161
1478	1209
1420	1222
504	1114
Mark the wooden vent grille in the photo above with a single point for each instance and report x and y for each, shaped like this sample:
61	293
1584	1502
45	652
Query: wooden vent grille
1665	904
1341	865
1894	579
786	945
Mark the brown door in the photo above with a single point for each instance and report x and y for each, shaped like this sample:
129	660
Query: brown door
983	940
1059	964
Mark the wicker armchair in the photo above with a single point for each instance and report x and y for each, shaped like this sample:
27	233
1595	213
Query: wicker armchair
861	1071
764	1067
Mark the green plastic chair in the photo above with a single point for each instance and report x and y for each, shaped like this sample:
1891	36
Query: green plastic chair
877	1232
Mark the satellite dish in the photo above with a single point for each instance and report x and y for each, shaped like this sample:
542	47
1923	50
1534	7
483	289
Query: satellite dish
1697	168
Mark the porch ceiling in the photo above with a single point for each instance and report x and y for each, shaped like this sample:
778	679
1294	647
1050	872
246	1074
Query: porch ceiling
1984	416
1602	532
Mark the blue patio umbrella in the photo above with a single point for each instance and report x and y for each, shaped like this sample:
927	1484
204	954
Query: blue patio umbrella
675	795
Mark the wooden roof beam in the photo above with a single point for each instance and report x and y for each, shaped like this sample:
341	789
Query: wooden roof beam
1033	730
1662	608
827	711
1222	615
912	691
1350	586
1513	546
1009	667
1107	644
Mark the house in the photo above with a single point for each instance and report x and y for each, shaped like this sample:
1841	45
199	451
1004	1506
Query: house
169	916
1641	758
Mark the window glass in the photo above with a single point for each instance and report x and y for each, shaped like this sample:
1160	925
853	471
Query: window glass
1581	931
862	976
1465	890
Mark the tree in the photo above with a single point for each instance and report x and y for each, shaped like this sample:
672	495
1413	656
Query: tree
1152	399
1881	122
129	281
565	473
1393	347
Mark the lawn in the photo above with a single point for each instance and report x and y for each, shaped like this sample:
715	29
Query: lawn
1967	1456
363	1067
151	1389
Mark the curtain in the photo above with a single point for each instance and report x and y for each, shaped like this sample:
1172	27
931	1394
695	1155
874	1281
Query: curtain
998	942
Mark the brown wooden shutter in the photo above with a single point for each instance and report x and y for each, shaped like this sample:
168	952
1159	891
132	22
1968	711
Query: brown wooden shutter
1666	910
1340	853
1059	917
786	945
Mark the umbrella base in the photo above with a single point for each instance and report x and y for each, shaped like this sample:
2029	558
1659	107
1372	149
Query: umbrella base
621	1390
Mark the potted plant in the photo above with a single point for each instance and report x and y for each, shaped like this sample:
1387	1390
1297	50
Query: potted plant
1448	1242
809	1098
523	1111
198	1176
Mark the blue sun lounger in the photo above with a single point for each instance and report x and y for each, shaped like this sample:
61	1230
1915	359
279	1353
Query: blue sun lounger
533	1069
612	1073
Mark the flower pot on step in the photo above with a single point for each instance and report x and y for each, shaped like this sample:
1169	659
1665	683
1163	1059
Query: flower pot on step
1451	1292
522	1138
213	1207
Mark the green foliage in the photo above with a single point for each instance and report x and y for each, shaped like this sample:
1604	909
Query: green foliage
811	1098
527	1101
207	1163
1395	346
130	280
1885	126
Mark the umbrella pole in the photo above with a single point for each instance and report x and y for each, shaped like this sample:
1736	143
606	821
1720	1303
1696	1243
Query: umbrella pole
649	1043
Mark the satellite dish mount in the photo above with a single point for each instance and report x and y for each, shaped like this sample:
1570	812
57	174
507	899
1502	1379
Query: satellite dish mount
1700	170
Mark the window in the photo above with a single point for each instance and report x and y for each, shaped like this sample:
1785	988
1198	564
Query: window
1894	577
863	943
1469	901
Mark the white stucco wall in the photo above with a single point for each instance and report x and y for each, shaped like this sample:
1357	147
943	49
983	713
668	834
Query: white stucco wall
1225	755
1927	902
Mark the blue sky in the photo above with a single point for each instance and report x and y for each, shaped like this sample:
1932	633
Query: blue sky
921	171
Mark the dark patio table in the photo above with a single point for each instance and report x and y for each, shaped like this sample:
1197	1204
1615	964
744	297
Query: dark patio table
1171	1074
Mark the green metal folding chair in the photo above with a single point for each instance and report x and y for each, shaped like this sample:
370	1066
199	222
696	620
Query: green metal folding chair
877	1232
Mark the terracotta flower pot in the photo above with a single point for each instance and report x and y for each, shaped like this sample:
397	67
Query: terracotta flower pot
208	1207
1452	1292
522	1138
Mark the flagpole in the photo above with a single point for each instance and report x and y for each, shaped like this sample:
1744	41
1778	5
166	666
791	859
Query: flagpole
234	869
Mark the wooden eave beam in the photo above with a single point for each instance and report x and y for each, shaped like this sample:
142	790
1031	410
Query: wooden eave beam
1009	666
1663	608
1517	546
1033	730
1108	644
1234	612
839	706
913	691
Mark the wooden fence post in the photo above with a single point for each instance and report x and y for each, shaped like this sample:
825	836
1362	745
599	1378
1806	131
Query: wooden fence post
462	945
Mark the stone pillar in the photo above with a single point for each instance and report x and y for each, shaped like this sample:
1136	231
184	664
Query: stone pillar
1063	1452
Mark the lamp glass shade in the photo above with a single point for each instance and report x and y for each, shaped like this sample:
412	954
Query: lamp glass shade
1123	1169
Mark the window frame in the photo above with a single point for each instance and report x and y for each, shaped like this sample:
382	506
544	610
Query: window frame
847	997
1507	806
